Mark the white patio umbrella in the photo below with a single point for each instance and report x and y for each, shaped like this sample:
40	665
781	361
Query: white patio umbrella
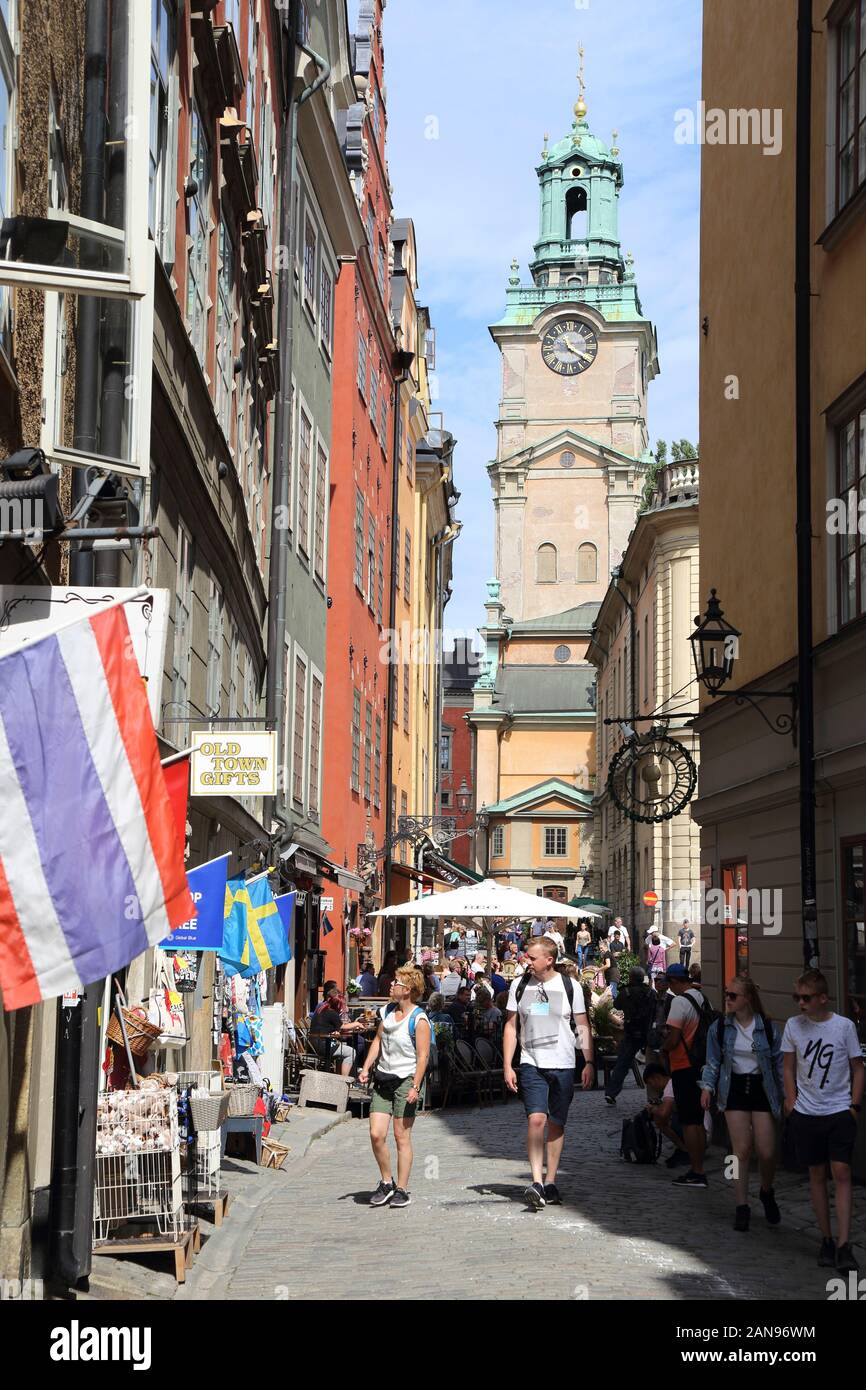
485	899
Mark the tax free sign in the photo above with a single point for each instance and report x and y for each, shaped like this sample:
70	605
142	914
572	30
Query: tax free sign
204	932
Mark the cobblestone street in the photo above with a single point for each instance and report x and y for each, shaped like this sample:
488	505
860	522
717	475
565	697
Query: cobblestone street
622	1232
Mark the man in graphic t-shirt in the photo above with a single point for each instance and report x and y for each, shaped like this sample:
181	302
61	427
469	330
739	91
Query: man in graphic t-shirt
687	940
547	1061
682	1025
824	1080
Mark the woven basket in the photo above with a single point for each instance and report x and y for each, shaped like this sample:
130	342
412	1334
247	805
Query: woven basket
242	1099
209	1112
140	1032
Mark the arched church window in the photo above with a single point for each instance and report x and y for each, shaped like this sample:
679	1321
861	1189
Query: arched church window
575	213
587	563
567	459
545	564
576	280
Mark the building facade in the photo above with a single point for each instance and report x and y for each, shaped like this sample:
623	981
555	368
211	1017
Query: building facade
640	649
749	807
460	670
577	357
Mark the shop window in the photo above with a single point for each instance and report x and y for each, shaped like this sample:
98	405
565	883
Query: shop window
854	945
735	887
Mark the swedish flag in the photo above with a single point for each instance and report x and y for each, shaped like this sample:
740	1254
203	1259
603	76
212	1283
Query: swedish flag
254	936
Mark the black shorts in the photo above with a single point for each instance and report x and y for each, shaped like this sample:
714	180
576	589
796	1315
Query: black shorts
822	1139
687	1096
746	1092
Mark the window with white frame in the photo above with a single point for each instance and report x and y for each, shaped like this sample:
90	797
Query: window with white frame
377	111
321	511
380	584
406	695
371	226
368	750
182	648
410	459
407	567
362	364
356	741
164	105
232	13
374	392
396	576
315	746
326	308
371	559
850	485
199	236
383	414
225	330
252	62
359	539
214	648
305	437
266	145
445	751
377	764
249	688
299	730
555	841
380	266
309	264
497	844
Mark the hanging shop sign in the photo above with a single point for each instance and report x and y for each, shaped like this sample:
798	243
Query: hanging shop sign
28	613
204	932
243	764
186	965
326	904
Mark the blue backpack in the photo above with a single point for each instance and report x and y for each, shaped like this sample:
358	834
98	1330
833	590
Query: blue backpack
413	1017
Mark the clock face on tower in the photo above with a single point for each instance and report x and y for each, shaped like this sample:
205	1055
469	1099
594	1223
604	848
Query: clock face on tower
569	347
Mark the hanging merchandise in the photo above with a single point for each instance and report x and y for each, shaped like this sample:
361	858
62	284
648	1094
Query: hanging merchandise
186	967
165	1010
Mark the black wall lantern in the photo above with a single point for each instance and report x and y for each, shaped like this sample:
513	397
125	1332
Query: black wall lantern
714	647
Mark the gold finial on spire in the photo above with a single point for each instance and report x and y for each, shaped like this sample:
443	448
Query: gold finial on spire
580	104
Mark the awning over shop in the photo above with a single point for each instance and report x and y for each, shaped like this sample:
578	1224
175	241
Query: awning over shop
344	877
596	903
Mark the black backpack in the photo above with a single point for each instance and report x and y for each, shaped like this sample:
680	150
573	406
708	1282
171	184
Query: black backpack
641	1141
696	1050
568	986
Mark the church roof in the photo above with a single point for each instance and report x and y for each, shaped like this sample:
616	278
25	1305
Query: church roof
545	689
543	791
573	620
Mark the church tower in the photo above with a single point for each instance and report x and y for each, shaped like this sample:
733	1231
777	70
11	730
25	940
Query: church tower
577	356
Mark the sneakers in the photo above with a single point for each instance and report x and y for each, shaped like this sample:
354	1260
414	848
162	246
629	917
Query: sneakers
771	1209
400	1198
551	1195
691	1179
827	1254
741	1218
845	1261
534	1196
384	1193
610	1100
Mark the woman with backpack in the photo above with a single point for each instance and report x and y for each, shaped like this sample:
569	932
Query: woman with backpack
744	1071
397	1061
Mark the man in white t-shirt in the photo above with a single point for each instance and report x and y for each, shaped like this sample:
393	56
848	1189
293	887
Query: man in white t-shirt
824	1080
547	1060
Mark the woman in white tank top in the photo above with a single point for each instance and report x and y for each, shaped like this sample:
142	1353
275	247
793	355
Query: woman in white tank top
397	1062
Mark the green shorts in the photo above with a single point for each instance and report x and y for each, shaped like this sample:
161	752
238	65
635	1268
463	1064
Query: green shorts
395	1104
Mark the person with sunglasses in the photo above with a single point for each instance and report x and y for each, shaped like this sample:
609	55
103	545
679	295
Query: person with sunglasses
744	1071
824	1079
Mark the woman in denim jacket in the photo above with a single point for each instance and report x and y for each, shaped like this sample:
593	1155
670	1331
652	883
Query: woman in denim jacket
744	1071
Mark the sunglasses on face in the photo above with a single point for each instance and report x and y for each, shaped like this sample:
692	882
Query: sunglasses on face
803	998
729	994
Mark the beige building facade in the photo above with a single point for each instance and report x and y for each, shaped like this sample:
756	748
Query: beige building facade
650	656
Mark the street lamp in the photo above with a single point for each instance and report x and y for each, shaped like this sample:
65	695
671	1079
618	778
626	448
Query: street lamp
714	647
464	797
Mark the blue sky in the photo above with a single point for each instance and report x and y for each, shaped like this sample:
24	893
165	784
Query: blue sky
496	74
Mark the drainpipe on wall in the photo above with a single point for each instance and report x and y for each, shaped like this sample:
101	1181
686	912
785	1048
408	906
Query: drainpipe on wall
803	420
632	695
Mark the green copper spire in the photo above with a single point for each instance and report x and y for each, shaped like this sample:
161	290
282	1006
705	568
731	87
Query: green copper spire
578	255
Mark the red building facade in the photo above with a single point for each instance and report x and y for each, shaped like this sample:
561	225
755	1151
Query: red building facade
356	702
460	670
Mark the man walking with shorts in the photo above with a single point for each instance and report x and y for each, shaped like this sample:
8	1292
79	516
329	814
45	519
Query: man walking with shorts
539	1002
824	1080
682	1026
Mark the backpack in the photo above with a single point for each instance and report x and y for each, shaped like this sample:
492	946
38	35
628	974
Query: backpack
696	1050
413	1017
568	986
641	1141
639	1010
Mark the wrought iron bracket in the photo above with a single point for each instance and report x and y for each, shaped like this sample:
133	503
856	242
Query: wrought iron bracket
784	723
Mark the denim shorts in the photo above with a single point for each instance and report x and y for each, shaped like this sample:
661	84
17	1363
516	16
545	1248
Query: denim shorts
546	1090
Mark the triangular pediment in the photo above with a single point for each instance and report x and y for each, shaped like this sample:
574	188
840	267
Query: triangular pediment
552	797
546	453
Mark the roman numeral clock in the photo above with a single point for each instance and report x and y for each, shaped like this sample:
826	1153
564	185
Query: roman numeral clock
569	346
